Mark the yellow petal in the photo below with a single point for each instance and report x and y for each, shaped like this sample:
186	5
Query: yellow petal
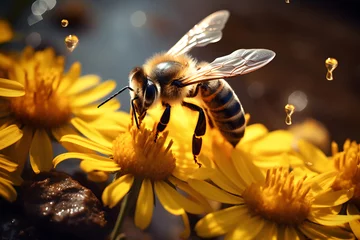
5	62
174	202
116	190
144	205
322	181
9	136
58	133
221	222
332	198
19	152
213	193
94	94
245	167
58	159
41	152
253	132
248	229
331	219
83	83
275	142
90	165
226	166
7	164
6	33
269	231
90	132
11	88
7	191
292	233
97	176
315	231
314	158
354	225
186	233
75	139
71	76
92	112
192	193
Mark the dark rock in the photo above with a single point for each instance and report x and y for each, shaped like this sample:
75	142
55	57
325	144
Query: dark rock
54	200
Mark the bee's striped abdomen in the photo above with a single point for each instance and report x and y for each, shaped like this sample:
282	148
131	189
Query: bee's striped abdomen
224	108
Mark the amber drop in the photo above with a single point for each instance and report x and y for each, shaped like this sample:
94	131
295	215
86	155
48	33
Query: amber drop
330	64
64	23
289	110
71	41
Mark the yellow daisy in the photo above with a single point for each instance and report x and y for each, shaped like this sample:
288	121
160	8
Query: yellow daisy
278	205
345	165
6	33
157	168
55	103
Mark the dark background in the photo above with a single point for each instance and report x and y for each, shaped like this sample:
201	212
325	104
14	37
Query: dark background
303	34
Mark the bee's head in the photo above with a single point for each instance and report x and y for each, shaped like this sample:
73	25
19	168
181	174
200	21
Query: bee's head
145	91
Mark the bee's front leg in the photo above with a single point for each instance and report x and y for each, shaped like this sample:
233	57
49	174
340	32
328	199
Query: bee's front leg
200	130
164	120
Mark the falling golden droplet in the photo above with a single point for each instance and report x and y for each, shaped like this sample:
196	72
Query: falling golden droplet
330	64
289	110
287	1
71	41
64	23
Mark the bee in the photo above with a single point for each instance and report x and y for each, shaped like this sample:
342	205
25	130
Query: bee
168	78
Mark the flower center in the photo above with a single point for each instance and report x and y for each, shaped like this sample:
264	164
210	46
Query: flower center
41	106
279	199
347	163
136	152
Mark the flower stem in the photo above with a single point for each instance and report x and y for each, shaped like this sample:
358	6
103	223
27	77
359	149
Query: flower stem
126	204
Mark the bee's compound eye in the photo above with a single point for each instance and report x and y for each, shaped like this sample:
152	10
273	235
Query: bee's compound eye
150	94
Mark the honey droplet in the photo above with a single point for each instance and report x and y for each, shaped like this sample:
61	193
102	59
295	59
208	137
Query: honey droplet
71	41
289	110
64	23
330	64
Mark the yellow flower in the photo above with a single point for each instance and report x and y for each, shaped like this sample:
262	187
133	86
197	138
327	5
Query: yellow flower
277	205
161	167
55	103
345	165
6	33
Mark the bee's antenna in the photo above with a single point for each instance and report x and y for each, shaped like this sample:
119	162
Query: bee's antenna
120	91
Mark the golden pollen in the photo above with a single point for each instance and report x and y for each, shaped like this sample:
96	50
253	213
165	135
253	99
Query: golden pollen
279	199
347	163
136	152
41	106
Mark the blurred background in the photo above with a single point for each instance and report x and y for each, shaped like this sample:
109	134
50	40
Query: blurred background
117	35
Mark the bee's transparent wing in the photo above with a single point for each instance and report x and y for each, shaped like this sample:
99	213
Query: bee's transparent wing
205	32
239	62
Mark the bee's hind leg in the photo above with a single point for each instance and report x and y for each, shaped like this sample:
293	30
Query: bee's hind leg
164	120
200	130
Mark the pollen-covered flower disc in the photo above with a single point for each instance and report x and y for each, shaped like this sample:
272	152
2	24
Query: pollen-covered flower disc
344	165
43	101
135	156
280	204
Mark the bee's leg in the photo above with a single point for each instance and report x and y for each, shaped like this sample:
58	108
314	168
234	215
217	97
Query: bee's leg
164	120
133	113
200	130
